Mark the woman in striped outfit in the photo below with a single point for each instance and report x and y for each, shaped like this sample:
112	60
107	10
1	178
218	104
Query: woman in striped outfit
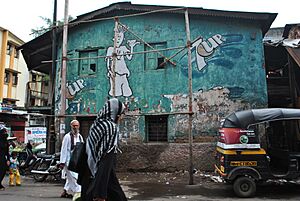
101	149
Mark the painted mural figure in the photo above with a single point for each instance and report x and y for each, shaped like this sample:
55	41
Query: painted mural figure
122	72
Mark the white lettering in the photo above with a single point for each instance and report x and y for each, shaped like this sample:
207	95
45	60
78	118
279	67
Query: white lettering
206	48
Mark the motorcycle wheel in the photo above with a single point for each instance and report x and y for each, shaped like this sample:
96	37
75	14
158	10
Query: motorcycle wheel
39	177
58	178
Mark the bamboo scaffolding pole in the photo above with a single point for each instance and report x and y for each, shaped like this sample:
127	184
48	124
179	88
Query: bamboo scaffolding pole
141	52
127	114
175	54
62	112
181	48
190	87
147	43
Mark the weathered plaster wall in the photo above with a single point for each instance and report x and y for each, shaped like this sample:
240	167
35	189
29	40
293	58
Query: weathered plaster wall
165	157
227	61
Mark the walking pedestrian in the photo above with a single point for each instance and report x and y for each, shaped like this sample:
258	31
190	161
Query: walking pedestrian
4	153
68	143
101	149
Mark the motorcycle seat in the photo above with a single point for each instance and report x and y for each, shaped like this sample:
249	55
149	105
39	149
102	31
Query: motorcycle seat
45	156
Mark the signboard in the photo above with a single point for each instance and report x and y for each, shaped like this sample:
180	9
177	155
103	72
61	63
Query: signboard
35	134
5	107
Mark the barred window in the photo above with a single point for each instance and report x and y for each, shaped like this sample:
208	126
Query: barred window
157	128
17	53
15	79
33	77
9	49
88	62
154	60
7	77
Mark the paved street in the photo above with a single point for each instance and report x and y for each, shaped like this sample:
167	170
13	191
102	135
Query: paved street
155	187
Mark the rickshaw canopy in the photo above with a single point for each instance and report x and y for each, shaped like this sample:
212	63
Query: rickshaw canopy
245	118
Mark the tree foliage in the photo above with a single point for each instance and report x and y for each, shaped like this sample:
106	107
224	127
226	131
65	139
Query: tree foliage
47	27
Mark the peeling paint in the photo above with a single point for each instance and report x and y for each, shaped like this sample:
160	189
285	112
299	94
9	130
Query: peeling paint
227	73
208	107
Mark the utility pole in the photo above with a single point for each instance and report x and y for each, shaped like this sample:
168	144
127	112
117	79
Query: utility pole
51	134
64	71
189	44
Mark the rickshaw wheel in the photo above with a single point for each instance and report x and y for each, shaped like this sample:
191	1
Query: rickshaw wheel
244	187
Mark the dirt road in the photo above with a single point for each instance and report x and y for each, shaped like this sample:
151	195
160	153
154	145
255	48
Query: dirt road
157	187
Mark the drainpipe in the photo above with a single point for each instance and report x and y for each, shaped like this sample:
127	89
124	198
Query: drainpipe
188	37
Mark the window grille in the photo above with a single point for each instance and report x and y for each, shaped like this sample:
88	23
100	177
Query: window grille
7	77
157	128
9	49
15	78
88	62
153	60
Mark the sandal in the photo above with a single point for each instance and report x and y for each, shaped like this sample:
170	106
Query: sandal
64	194
69	195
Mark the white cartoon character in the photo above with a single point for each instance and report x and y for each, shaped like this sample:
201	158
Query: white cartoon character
122	73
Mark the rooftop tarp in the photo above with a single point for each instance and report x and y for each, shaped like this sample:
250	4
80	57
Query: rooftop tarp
292	43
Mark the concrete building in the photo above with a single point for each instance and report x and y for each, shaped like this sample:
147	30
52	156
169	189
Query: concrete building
149	72
14	72
282	59
13	78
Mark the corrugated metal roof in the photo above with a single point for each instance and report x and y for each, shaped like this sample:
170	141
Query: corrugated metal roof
266	19
39	49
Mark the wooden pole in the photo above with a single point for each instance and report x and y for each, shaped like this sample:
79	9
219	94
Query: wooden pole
188	37
64	71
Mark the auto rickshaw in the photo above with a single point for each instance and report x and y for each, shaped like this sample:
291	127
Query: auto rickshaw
257	145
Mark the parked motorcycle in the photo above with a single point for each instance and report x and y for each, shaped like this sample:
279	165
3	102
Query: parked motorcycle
48	165
28	161
28	164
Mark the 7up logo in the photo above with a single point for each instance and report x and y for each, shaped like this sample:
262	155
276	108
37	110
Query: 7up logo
244	139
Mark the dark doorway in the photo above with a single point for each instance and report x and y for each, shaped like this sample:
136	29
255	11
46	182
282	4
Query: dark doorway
85	124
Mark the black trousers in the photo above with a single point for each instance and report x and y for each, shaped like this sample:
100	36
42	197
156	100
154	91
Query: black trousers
3	169
106	184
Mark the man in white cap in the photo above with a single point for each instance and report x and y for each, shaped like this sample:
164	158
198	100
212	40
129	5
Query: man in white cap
68	144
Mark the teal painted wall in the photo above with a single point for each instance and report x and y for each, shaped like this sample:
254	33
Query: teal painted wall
226	78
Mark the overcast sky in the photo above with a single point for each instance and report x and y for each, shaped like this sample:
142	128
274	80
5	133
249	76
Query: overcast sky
20	16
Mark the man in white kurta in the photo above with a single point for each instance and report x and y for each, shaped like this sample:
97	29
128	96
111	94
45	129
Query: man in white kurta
65	154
